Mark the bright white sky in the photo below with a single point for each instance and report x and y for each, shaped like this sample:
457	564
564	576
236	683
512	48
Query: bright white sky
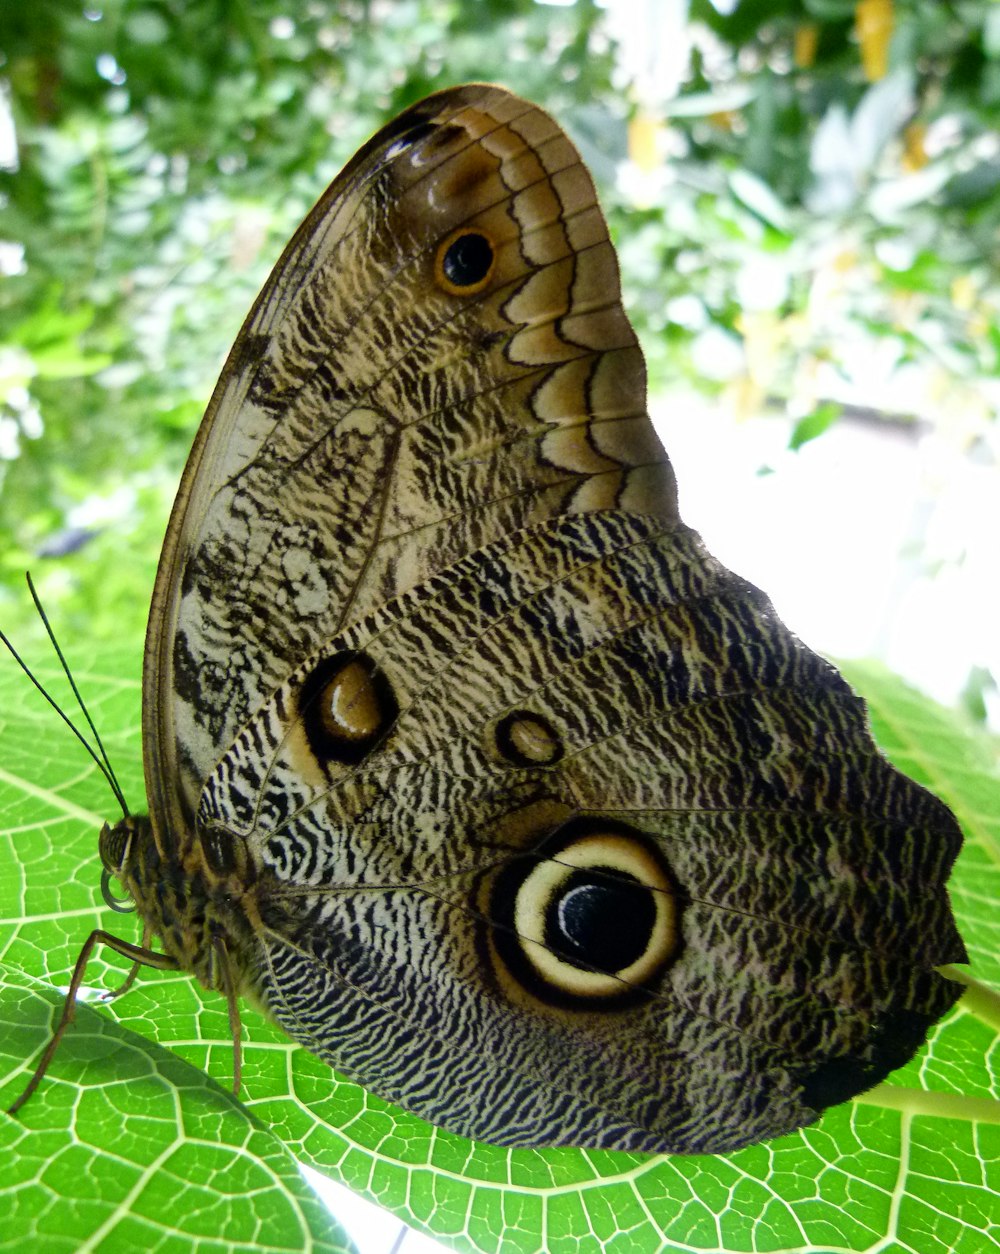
870	543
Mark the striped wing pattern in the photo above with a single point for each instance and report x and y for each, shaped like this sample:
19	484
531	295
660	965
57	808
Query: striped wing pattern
511	801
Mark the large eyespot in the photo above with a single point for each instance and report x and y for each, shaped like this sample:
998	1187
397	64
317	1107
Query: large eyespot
527	739
464	263
347	707
589	918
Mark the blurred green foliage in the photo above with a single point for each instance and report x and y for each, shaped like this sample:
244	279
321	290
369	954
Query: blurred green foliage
781	216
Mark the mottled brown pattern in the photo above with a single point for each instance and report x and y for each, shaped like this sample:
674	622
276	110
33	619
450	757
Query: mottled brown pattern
447	516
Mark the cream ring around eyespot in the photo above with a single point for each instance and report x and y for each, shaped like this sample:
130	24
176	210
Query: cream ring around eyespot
611	853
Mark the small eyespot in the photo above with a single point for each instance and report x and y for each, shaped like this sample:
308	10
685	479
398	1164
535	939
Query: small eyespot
347	707
527	739
590	919
464	263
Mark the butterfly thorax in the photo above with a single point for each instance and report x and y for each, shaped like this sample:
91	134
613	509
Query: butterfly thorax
196	912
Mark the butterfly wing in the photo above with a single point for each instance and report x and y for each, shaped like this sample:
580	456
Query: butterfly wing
613	860
376	420
557	834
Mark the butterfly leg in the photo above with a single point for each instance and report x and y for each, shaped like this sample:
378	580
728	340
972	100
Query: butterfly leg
140	956
114	993
222	974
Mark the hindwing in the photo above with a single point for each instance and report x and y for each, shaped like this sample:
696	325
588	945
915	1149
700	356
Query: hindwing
549	829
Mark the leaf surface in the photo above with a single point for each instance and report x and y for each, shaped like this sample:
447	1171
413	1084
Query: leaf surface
124	1137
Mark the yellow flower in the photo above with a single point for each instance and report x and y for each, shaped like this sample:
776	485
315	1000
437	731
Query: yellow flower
806	40
646	135
873	20
914	153
963	293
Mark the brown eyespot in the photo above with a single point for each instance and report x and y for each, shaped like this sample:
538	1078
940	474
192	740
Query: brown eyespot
590	918
464	263
347	707
527	739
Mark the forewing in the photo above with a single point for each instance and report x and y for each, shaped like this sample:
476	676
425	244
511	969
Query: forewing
375	421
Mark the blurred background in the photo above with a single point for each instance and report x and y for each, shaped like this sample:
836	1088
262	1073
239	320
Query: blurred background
806	199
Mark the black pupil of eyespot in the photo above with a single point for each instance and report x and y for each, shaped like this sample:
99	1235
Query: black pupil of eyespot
600	919
467	261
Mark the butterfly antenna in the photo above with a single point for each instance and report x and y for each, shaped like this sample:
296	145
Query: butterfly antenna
102	760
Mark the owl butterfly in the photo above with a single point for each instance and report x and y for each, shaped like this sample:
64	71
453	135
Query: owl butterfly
464	759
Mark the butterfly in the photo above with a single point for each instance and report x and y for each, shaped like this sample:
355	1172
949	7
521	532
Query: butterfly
464	759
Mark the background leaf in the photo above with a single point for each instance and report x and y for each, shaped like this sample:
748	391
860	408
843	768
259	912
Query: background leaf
813	425
129	1147
916	1162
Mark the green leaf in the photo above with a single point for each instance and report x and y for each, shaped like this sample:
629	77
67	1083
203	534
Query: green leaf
759	198
127	1146
69	363
913	1166
814	424
147	27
